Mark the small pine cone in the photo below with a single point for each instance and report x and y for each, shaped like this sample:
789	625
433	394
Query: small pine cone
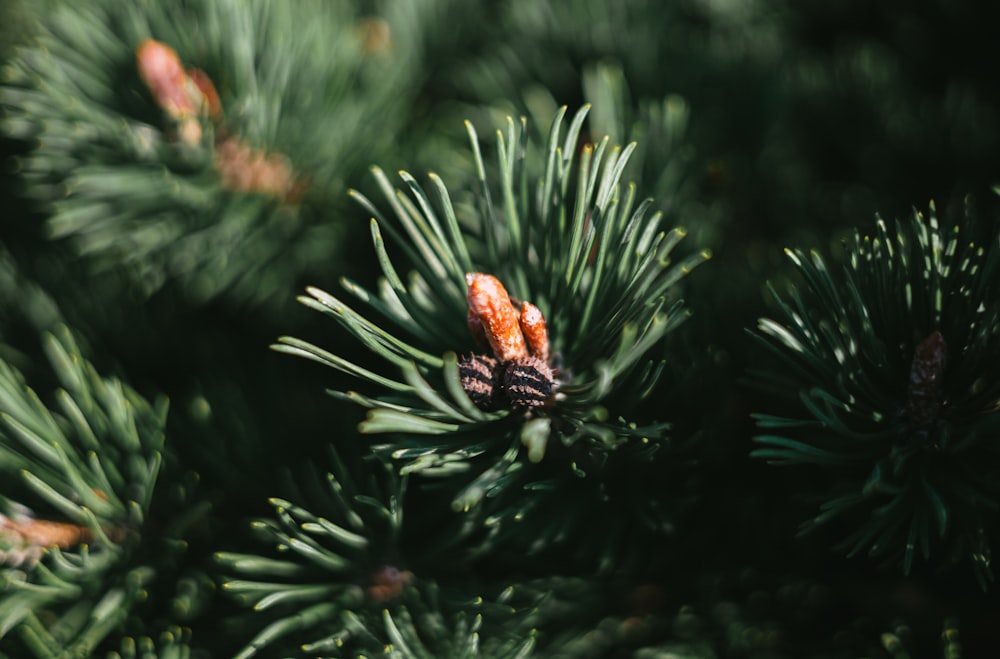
481	380
388	583
244	169
527	382
925	394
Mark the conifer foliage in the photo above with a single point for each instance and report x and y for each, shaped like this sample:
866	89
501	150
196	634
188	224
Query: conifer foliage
564	232
885	360
79	479
178	140
568	399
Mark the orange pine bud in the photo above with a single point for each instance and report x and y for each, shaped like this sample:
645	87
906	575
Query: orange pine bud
45	533
161	70
488	300
535	331
209	96
476	329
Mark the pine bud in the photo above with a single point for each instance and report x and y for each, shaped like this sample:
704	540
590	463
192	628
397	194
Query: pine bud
535	331
488	300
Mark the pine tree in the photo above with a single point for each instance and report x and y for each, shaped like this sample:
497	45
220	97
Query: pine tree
543	422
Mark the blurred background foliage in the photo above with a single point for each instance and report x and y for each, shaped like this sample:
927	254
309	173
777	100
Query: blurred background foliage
762	124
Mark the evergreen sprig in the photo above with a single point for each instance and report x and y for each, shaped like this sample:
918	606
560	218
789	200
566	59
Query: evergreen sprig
87	467
428	627
459	638
232	202
337	583
886	361
558	228
336	556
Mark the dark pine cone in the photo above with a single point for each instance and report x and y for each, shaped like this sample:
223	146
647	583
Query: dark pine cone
925	393
481	380
527	382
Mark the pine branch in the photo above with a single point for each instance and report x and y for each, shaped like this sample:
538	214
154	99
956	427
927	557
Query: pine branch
179	142
576	243
338	579
886	360
78	482
331	558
